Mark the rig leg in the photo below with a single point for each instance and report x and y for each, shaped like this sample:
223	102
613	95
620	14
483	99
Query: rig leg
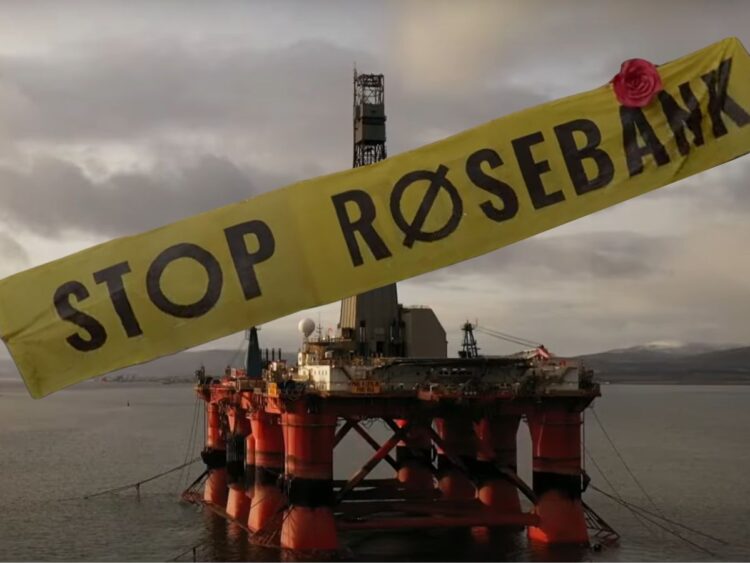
413	457
457	433
309	523
214	456
497	448
238	504
250	469
269	462
556	447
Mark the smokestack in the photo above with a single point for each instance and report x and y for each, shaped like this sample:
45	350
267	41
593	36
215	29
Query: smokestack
253	360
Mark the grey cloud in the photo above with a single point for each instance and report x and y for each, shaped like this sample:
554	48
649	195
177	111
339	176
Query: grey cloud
285	110
730	191
121	91
560	51
587	292
412	118
54	196
116	88
292	101
594	255
12	254
696	291
715	193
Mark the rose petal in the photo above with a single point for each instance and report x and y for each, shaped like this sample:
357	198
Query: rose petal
637	83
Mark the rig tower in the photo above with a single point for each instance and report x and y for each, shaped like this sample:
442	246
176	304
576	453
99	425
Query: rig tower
369	119
372	318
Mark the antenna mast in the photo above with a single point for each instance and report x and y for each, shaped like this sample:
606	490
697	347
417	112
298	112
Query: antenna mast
469	347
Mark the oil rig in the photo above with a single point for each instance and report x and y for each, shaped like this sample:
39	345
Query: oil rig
272	427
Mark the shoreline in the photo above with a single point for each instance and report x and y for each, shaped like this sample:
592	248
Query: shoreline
89	385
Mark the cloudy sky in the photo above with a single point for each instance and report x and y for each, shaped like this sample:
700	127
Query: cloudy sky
117	117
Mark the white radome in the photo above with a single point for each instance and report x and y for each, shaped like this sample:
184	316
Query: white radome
306	327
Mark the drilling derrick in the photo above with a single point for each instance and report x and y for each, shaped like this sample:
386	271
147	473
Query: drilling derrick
369	119
372	318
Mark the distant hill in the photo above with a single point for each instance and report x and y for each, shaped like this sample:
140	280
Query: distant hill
672	348
673	363
177	367
656	362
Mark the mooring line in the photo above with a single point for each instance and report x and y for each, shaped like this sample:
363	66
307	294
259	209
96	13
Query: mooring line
645	511
622	459
637	517
660	525
136	485
183	476
193	548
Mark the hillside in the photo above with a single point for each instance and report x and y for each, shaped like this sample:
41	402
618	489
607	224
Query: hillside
662	362
689	364
178	367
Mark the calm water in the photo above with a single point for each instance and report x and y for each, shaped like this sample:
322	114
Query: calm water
688	446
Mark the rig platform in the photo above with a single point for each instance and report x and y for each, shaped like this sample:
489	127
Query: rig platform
271	430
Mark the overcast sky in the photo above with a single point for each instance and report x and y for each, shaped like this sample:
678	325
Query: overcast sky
116	117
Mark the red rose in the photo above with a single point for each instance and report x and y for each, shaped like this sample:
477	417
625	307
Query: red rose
637	83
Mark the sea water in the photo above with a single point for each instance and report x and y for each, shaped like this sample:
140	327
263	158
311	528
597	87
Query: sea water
686	446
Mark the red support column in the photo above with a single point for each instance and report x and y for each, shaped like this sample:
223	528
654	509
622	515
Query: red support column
214	456
497	446
250	468
269	463
457	433
556	448
238	504
309	523
413	456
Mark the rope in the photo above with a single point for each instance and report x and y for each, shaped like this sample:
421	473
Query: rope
188	550
195	484
661	526
642	512
614	490
674	522
135	485
512	338
624	463
191	443
237	352
508	337
627	468
268	532
583	440
265	536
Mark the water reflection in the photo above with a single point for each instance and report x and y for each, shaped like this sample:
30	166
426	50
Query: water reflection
229	542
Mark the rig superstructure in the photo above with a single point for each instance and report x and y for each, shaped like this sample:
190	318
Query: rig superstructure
272	427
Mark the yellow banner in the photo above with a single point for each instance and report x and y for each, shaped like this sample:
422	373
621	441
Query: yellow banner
136	298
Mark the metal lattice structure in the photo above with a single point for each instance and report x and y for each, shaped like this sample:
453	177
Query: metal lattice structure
469	347
372	318
369	119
